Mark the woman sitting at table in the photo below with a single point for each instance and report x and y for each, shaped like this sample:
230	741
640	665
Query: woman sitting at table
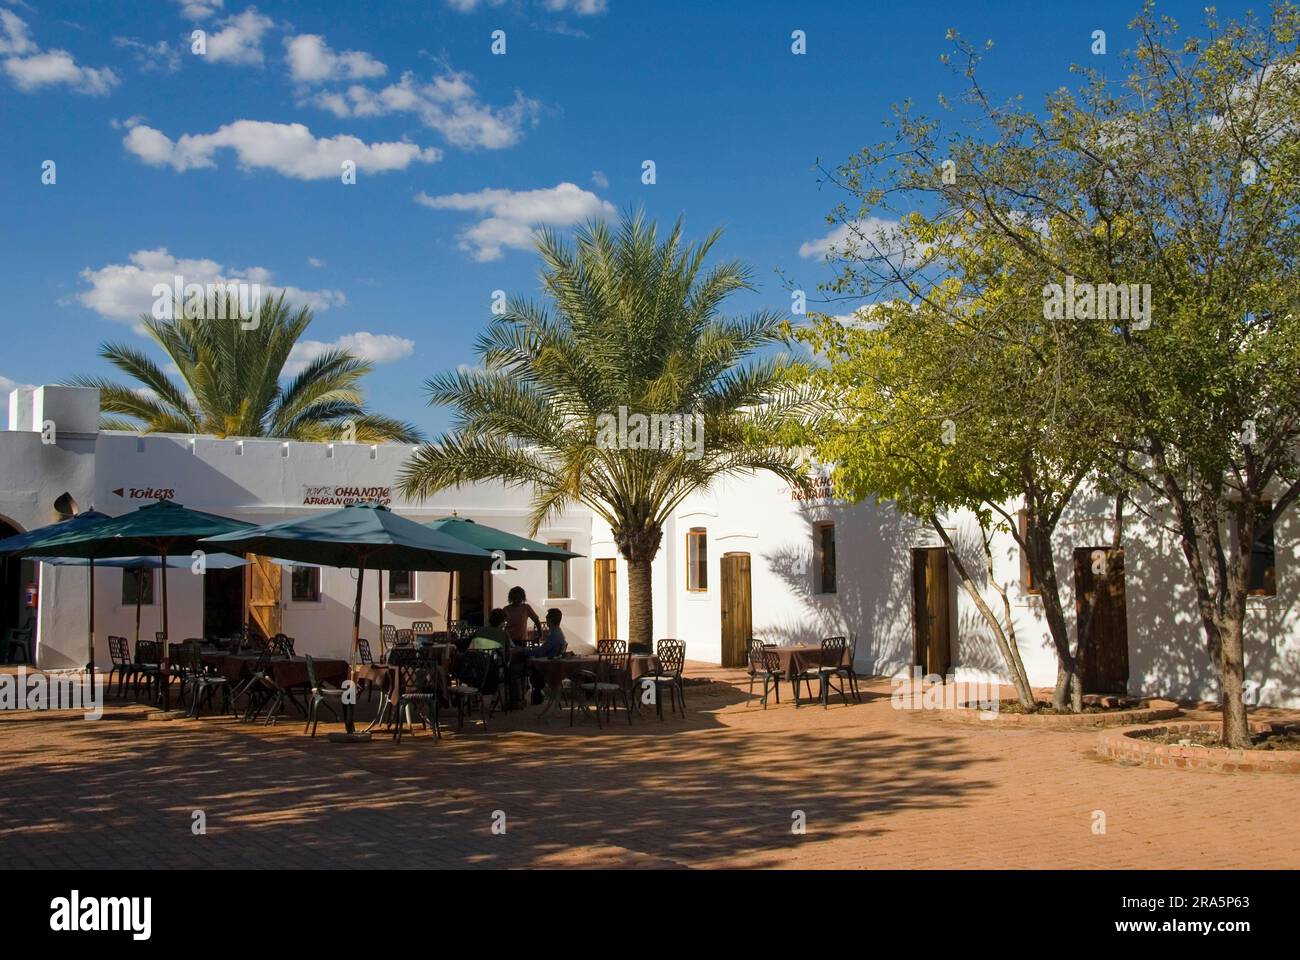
494	636
518	613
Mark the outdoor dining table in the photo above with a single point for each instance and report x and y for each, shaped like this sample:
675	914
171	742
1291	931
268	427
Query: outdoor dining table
798	657
384	676
549	673
287	673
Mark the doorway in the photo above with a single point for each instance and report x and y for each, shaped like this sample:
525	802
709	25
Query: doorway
265	583
737	609
931	611
15	575
607	599
1099	580
223	602
472	592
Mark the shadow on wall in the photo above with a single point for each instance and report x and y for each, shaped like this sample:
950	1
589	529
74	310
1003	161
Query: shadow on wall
873	585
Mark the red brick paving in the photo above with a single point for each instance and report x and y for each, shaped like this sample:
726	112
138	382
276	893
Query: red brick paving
878	787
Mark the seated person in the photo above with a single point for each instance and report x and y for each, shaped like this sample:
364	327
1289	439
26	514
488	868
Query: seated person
554	643
494	635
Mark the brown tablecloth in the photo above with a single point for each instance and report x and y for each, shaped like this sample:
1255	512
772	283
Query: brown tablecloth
285	671
798	657
552	672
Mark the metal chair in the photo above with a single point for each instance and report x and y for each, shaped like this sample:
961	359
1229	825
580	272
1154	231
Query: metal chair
202	680
765	665
849	669
257	687
387	641
282	645
672	658
148	666
324	693
422	628
476	678
119	651
366	658
19	640
610	680
824	671
417	689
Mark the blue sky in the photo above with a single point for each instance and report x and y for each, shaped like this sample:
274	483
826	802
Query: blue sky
172	162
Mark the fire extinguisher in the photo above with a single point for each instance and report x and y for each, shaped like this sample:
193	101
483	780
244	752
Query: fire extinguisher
29	596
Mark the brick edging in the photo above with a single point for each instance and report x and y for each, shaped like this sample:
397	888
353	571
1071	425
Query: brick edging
1123	745
1057	721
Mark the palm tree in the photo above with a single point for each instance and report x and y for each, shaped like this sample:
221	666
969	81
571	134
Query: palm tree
231	383
634	323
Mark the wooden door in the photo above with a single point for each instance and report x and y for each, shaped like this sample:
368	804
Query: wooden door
1099	580
607	599
737	609
932	622
264	579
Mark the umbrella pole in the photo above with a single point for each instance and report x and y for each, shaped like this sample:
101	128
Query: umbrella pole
379	592
139	597
356	611
166	680
90	656
451	586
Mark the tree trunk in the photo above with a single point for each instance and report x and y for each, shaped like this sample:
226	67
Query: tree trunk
1041	562
1232	661
639	548
640	604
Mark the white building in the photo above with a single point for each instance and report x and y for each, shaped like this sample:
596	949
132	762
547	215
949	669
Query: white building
747	558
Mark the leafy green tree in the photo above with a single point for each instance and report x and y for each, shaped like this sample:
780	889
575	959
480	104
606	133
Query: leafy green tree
1178	184
230	382
633	322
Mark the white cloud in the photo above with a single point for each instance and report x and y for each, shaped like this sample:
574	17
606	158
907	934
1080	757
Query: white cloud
873	232
8	385
374	347
287	148
582	8
599	179
312	61
240	38
30	68
123	291
199	9
150	57
15	41
514	215
315	262
447	104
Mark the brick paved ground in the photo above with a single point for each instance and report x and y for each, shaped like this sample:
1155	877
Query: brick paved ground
879	788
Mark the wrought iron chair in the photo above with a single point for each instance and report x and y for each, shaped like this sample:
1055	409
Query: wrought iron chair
422	628
281	645
848	669
257	687
475	674
387	641
19	641
824	672
672	658
119	651
201	680
765	665
418	689
148	666
366	658
608	682
324	693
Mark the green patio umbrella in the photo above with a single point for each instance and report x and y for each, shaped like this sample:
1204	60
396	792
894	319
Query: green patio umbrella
157	528
360	536
507	546
21	543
